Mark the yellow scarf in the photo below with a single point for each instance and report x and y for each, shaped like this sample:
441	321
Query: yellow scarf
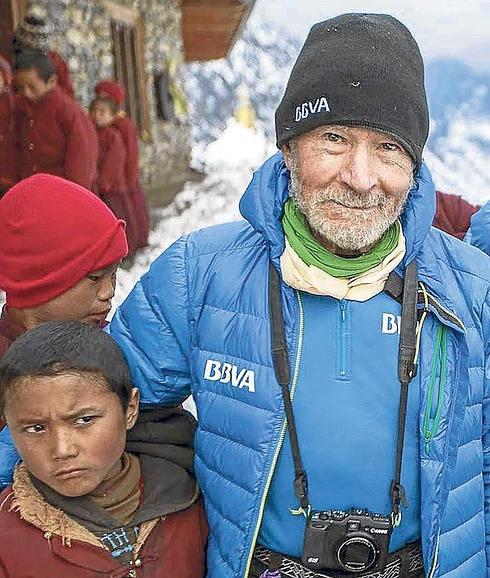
298	274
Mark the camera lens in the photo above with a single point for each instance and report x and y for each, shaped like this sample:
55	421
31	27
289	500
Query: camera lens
357	554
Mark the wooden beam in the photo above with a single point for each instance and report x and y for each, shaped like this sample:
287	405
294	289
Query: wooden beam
210	28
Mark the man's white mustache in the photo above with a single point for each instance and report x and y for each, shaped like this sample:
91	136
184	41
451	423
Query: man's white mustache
350	200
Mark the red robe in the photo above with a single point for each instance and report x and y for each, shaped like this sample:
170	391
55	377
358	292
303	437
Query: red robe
130	135
453	214
111	179
62	74
8	153
57	137
174	548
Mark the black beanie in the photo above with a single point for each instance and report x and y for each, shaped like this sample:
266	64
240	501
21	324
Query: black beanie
358	70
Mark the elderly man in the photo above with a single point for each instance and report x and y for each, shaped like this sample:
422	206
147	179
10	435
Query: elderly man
335	344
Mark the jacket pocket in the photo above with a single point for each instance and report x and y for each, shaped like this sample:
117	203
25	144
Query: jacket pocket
437	384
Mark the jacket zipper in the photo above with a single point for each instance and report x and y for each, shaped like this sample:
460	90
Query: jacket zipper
284	427
433	405
343	339
282	436
432	571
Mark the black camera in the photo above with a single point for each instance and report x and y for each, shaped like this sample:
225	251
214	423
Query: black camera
352	541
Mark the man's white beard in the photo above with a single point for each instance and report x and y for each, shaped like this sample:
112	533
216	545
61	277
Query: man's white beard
363	228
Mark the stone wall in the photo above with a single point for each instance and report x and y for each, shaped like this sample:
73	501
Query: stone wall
83	38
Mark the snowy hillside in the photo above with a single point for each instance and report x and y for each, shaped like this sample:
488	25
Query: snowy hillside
458	152
459	155
213	201
260	61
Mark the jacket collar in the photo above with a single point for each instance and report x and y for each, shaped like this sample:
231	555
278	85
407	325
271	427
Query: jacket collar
34	510
262	206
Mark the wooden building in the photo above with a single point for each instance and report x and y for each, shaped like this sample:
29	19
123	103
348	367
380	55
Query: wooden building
145	45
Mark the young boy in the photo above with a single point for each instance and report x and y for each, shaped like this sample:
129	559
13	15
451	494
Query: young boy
111	182
8	153
59	254
55	135
115	93
82	504
35	34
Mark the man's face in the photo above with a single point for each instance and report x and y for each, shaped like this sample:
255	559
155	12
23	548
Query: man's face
69	430
89	301
31	85
351	184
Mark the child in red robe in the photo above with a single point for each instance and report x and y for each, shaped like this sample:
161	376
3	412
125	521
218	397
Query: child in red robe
34	34
8	155
113	91
55	135
111	178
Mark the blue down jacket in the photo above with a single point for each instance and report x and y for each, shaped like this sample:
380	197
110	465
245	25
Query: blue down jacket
479	232
197	323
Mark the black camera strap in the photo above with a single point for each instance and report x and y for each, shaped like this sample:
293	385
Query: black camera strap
406	372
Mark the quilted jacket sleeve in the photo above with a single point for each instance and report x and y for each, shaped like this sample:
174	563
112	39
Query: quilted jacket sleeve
152	329
486	427
479	231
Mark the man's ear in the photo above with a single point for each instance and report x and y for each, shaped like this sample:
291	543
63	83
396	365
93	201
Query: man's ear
286	153
133	408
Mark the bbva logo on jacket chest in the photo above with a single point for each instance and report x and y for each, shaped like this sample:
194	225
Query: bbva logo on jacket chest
229	373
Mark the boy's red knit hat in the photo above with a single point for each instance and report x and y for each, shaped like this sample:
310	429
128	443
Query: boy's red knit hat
53	232
112	90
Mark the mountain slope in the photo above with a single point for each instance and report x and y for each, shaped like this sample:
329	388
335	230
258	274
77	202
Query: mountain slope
458	151
260	61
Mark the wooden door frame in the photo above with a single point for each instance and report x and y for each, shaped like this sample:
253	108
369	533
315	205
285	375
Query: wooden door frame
12	11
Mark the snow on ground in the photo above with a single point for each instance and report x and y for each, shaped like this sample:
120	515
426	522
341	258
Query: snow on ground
228	163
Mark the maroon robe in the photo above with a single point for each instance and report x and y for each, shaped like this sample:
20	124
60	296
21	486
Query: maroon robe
62	73
56	137
453	214
130	135
174	548
111	179
8	152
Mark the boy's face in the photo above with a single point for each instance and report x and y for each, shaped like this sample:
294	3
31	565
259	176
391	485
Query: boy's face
69	430
89	301
102	114
31	85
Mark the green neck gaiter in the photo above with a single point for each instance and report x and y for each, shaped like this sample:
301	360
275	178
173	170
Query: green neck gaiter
311	252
